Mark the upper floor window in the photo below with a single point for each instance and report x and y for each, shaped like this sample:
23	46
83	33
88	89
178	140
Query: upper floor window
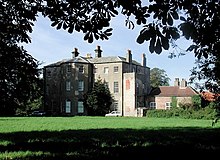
106	84
48	73
68	69
106	70
80	85
153	105
115	69
67	85
81	69
95	70
116	89
167	105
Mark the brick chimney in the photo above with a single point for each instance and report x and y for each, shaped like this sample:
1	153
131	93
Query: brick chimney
176	82
143	60
129	56
183	83
75	53
98	52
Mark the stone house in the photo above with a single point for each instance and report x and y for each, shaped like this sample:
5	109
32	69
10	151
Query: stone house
161	97
68	80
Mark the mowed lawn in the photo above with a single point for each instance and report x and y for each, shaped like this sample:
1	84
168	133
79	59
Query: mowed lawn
107	138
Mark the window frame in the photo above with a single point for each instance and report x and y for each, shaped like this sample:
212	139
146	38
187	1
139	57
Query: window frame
116	87
68	85
80	85
81	69
167	106
68	69
116	69
153	106
80	107
106	70
68	106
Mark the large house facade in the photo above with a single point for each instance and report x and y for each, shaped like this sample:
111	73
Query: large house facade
67	81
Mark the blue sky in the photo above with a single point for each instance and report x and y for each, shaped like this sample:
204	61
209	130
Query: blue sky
50	45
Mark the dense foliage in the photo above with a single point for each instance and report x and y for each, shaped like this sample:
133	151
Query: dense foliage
98	100
188	111
163	22
158	77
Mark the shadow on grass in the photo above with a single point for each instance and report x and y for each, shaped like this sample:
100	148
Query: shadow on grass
166	143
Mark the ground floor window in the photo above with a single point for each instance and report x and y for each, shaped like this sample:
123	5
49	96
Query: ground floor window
153	105
115	106
80	107
68	106
167	105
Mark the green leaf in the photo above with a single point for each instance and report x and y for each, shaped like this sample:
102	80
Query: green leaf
90	40
144	35
71	28
59	25
152	43
170	19
158	48
175	15
165	43
191	48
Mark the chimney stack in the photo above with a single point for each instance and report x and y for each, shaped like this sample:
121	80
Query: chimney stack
129	56
176	82
75	53
183	83
143	60
98	52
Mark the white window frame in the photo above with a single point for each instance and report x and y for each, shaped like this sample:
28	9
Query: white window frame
116	87
68	85
153	105
115	106
115	69
106	84
106	70
68	106
168	106
80	107
80	85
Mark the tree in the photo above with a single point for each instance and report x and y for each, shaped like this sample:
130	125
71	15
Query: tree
163	23
99	100
158	77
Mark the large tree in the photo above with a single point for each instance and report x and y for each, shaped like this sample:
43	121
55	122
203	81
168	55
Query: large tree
163	22
99	99
158	77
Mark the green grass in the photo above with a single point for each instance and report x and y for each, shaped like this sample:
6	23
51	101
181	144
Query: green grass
106	138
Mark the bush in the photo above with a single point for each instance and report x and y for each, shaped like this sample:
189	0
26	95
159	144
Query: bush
185	111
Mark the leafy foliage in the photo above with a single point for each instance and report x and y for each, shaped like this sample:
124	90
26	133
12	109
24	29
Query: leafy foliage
99	100
158	77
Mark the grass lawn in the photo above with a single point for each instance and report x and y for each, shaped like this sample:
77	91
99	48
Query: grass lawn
107	138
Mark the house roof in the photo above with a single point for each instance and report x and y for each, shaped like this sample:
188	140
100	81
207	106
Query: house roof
78	59
110	59
169	91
